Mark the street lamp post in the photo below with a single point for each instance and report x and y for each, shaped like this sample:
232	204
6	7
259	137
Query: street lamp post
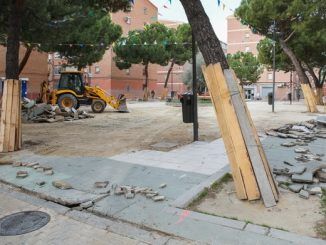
194	87
274	44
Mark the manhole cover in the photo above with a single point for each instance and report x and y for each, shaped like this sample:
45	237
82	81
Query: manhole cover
23	222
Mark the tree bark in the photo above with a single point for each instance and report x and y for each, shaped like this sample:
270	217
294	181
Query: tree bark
168	74
207	41
14	31
145	97
298	68
313	75
25	59
165	88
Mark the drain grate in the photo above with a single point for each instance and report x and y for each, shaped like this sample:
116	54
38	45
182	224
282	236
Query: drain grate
23	222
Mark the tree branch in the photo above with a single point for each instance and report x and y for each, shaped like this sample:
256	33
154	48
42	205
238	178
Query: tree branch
288	38
23	62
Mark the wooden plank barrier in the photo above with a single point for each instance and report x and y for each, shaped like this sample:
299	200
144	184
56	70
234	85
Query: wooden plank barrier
250	170
309	98
10	122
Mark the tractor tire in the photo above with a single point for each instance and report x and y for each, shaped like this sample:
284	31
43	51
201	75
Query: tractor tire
98	106
67	101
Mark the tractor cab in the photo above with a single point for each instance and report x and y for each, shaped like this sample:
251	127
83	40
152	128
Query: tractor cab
72	81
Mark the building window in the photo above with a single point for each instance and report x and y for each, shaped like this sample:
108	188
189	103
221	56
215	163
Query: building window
57	70
145	11
270	76
247	49
97	69
128	20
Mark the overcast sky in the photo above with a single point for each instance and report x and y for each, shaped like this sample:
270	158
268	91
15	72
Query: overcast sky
216	13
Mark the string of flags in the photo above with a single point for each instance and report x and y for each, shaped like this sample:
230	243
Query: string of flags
219	3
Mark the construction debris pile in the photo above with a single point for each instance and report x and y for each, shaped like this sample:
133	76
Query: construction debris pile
32	112
130	191
101	187
306	174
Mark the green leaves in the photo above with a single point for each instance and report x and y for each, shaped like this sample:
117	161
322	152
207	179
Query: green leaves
51	25
246	66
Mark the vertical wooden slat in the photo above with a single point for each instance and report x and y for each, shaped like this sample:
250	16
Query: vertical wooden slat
14	115
19	122
234	126
252	141
216	99
3	114
8	115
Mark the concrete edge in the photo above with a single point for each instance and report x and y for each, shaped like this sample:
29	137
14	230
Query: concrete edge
185	199
105	223
235	224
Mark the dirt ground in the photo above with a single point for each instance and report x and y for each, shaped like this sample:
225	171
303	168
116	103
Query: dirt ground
111	133
292	213
148	123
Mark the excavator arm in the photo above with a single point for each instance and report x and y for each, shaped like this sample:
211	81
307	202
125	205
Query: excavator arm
117	103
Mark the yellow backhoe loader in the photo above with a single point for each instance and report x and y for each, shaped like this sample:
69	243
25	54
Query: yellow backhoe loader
72	92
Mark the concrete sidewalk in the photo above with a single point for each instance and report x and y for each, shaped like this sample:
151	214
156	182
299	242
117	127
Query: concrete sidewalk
68	226
182	186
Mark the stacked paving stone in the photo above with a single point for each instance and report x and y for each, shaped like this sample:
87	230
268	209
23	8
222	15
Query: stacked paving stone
32	112
306	175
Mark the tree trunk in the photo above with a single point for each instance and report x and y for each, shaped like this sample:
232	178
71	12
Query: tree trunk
298	68
318	85
25	59
207	41
165	89
145	97
14	31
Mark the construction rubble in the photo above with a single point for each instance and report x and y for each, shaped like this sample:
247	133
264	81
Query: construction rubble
32	112
306	174
100	187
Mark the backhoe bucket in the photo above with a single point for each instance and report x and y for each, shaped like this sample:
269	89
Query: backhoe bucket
122	104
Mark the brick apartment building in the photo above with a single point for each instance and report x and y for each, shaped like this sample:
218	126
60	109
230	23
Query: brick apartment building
34	73
240	38
105	73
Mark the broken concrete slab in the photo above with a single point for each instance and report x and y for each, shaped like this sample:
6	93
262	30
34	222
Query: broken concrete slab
48	172
295	187
158	198
101	184
86	205
321	175
301	150
315	190
21	174
304	194
306	177
283	179
61	184
288	144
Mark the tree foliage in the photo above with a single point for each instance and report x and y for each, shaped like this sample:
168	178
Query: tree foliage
46	24
300	28
179	48
148	46
265	56
246	66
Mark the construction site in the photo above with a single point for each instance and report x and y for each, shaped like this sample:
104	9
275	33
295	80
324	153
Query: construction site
101	146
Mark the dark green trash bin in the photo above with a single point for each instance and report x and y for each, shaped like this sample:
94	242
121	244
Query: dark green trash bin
270	98
187	101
